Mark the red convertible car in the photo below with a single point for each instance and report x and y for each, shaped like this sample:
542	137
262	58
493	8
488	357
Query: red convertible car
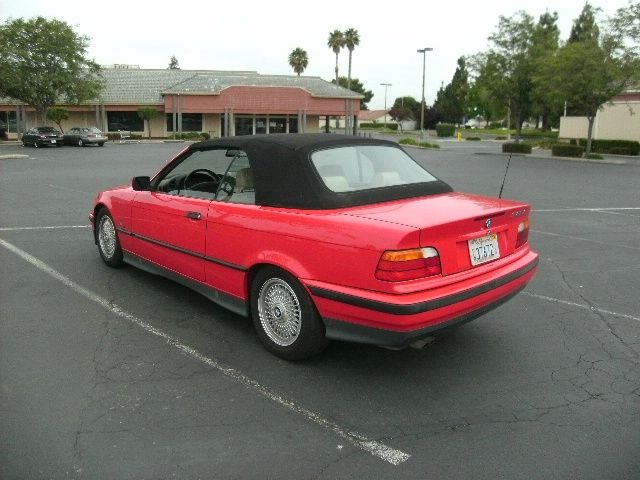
319	237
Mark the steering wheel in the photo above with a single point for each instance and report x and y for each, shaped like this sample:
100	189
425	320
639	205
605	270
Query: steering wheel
202	171
227	185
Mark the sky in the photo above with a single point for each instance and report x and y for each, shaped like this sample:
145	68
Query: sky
259	35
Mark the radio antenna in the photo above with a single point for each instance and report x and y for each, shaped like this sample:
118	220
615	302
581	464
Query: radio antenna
505	175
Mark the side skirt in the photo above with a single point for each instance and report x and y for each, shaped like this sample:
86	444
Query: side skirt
235	304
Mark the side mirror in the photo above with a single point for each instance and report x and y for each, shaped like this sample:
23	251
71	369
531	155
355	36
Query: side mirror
141	184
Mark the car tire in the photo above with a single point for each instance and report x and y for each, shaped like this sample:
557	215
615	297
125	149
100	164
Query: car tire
101	144
107	239
35	145
284	316
80	143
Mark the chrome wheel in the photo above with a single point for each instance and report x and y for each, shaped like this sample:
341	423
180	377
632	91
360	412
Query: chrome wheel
107	237
80	143
279	311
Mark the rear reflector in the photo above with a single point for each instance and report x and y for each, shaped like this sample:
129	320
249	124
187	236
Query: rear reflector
398	266
523	234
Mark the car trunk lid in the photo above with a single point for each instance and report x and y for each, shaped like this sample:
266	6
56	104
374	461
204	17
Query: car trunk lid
466	230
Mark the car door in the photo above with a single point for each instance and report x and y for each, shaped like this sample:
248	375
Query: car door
168	223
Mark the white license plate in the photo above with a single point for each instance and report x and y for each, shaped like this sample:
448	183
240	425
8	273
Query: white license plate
53	141
484	249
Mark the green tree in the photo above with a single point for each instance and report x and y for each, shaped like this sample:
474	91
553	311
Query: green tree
298	60
147	114
173	63
410	104
545	43
510	63
44	62
585	26
590	72
358	87
625	26
57	115
482	99
452	101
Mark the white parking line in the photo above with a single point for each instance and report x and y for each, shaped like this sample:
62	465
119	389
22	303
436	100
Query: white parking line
606	209
581	305
589	240
375	448
15	229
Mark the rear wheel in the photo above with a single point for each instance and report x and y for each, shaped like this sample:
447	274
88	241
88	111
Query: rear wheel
101	144
80	143
35	144
284	316
107	236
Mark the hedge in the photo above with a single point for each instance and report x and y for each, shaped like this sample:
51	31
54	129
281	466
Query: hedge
516	148
445	130
473	139
565	150
615	147
408	141
389	126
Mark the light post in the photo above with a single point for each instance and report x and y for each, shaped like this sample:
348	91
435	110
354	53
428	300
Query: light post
385	85
423	51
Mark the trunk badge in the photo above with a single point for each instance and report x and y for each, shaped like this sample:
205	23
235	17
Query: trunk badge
488	223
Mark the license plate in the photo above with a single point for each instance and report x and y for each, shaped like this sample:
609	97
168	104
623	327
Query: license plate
484	249
53	141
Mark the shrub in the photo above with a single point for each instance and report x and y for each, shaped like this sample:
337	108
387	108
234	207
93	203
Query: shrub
594	156
567	150
615	147
389	126
205	136
429	145
408	141
135	136
516	148
473	139
495	125
501	137
445	130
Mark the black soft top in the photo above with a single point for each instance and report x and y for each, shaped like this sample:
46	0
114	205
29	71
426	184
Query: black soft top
284	175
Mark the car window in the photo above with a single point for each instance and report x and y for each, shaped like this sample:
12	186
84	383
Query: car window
237	184
197	175
363	167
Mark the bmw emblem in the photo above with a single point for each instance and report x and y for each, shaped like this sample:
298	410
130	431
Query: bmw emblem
488	223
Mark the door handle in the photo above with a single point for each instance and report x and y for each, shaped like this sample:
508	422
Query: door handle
194	215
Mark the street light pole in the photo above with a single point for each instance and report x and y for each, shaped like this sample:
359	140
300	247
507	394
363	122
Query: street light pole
385	85
423	51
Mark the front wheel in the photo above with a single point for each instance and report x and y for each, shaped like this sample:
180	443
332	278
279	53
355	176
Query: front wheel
284	316
107	237
101	144
80	143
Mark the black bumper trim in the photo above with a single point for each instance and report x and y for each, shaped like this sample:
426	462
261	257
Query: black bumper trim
350	332
425	306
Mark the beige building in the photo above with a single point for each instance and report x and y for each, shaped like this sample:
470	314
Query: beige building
219	103
618	120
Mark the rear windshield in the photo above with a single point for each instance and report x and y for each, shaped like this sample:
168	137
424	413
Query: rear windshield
364	167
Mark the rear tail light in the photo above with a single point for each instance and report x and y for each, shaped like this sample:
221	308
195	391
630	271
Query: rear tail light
523	234
401	265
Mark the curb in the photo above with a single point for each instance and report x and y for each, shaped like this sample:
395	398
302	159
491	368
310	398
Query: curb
608	161
13	155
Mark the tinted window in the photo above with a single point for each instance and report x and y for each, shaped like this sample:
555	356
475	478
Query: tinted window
363	167
128	121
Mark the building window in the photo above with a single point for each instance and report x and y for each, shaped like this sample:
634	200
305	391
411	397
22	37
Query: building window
244	126
261	125
191	122
277	125
8	121
128	121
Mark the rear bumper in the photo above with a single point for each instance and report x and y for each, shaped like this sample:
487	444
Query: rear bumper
397	320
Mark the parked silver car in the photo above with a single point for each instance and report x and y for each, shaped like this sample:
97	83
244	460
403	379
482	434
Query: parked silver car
82	136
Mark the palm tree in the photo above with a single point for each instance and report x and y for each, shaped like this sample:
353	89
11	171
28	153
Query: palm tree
336	43
298	60
351	40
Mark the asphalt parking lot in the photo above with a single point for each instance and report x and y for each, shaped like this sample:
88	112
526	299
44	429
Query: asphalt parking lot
116	373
